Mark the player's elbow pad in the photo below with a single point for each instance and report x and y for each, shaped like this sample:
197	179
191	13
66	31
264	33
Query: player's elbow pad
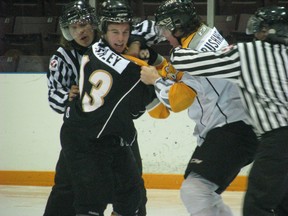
160	62
157	110
181	97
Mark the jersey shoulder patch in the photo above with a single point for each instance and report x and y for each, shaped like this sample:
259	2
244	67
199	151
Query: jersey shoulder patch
53	64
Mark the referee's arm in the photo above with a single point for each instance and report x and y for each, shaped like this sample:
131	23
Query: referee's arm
223	64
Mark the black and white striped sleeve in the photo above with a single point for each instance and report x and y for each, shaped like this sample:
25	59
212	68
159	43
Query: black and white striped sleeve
148	31
62	73
223	64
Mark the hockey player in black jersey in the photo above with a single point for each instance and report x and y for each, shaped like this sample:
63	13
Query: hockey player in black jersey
78	27
98	126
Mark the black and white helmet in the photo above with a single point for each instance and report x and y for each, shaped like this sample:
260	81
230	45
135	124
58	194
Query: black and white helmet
115	11
76	12
274	19
178	15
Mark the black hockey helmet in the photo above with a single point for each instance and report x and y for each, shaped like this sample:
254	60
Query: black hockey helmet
115	11
178	15
274	19
74	12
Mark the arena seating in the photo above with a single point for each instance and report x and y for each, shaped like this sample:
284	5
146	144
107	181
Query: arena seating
150	8
239	7
8	63
201	6
32	63
29	27
26	8
28	33
6	26
54	7
27	43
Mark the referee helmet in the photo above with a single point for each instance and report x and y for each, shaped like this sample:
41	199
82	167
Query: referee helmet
274	20
76	12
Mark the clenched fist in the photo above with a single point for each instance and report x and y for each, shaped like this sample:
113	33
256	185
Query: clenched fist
149	75
74	92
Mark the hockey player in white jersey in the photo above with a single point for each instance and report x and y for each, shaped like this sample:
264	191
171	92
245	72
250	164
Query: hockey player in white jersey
225	140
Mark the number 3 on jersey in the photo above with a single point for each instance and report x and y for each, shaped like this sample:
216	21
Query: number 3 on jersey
101	82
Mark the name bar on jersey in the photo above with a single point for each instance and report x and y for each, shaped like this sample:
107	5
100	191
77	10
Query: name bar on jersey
110	58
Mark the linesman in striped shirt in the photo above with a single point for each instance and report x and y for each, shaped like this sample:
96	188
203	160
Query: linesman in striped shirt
260	68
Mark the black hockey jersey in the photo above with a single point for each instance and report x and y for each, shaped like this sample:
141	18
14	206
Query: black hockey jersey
111	94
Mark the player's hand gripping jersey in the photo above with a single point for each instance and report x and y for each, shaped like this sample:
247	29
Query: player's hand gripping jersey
206	99
109	94
156	109
174	92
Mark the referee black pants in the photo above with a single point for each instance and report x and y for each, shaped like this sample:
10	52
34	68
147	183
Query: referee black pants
267	192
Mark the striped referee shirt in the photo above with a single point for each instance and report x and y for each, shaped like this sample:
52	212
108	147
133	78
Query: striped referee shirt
259	68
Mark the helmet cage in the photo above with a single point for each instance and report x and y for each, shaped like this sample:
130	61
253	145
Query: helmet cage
115	19
177	14
165	24
117	11
77	12
266	17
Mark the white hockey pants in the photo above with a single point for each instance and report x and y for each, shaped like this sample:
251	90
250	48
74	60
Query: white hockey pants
199	197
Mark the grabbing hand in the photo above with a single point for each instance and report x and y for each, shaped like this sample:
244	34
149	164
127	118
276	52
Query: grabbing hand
74	92
149	75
